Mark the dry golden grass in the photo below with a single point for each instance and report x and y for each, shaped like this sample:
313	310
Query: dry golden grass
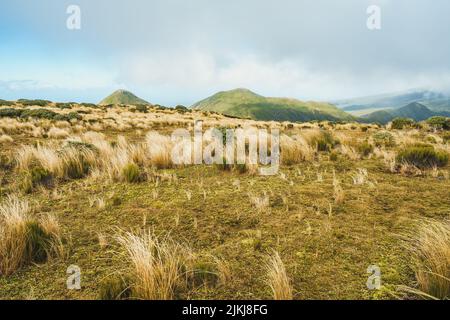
4	138
57	133
159	150
159	265
13	234
277	278
430	248
295	150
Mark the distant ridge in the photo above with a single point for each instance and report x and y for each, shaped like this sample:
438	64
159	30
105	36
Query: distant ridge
244	103
416	111
122	97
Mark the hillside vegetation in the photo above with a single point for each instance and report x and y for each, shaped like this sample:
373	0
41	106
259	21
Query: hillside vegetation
415	111
244	103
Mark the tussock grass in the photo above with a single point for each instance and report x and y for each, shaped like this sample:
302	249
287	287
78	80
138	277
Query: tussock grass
13	234
422	156
159	150
24	239
277	278
159	265
295	150
430	249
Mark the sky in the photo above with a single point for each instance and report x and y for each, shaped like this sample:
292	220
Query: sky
178	52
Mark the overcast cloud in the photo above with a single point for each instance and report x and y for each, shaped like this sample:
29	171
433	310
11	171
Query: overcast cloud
178	51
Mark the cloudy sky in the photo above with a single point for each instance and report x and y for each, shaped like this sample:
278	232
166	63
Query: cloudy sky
178	51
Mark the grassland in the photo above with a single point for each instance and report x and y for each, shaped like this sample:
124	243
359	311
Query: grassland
340	203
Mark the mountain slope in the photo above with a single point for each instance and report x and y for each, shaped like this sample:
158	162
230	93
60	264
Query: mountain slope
122	97
247	104
435	101
415	110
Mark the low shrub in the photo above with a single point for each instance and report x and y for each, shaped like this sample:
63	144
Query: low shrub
401	123
37	102
324	142
131	173
142	108
10	113
365	148
422	156
6	103
442	123
383	139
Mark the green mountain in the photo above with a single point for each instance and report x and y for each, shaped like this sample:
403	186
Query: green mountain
122	97
415	111
244	103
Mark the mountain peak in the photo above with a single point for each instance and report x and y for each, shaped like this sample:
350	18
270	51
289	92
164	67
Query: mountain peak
122	96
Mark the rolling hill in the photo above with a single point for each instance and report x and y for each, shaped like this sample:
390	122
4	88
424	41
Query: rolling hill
244	103
122	97
416	111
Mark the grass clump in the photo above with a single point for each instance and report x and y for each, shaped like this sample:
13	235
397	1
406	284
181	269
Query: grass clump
383	139
35	177
430	248
401	123
278	279
158	265
23	239
422	156
365	148
324	142
132	173
38	242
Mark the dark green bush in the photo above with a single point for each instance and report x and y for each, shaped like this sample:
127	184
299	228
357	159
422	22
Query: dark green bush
325	142
142	108
181	109
6	103
365	148
34	177
80	145
383	138
38	243
67	117
38	102
10	113
76	167
422	156
401	123
442	123
132	173
64	105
